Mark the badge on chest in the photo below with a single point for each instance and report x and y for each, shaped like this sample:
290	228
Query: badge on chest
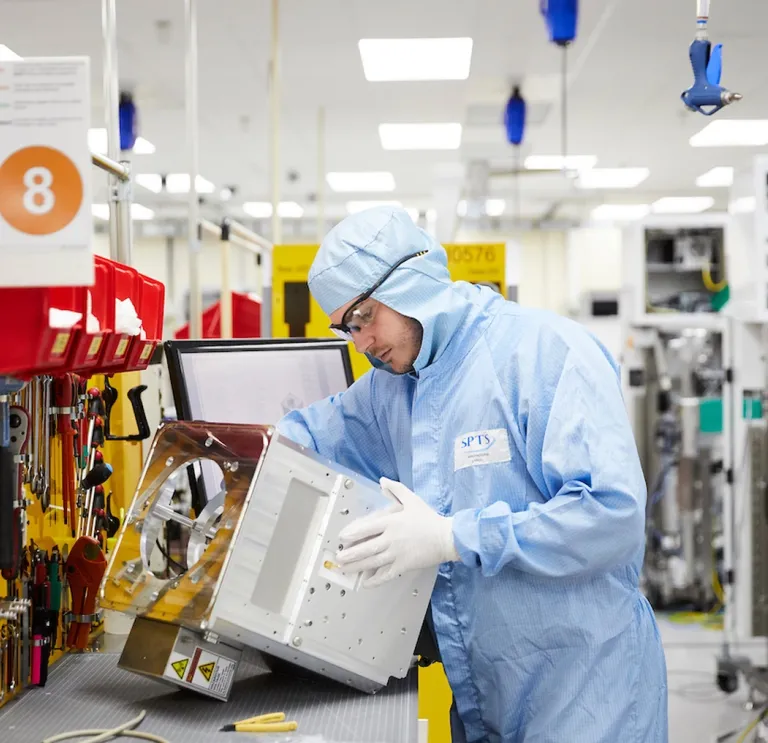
481	447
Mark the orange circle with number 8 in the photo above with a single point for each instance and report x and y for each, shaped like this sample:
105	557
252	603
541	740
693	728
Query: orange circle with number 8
41	190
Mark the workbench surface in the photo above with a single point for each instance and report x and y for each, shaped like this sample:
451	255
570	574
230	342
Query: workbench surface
90	691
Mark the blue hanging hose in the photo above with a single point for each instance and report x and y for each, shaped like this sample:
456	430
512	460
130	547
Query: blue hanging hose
706	95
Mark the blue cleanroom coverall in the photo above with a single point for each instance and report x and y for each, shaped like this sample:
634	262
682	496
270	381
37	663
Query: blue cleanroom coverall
513	423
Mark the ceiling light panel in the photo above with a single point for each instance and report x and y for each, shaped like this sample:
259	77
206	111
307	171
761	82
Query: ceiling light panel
612	177
420	136
744	205
151	181
361	182
732	133
353	207
682	205
716	178
415	59
179	183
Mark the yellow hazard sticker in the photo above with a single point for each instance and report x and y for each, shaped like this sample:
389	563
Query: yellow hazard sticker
146	353
60	343
93	349
180	666
207	670
122	347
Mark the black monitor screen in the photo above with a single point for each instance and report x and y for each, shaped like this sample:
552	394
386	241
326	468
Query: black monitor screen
252	381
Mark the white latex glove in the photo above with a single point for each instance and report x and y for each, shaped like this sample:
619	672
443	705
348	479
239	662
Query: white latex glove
404	537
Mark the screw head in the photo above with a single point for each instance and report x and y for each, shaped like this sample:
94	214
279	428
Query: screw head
297	642
169	461
349	484
209	441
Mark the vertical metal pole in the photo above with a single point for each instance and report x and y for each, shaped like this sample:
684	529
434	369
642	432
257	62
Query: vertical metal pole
195	290
320	174
266	294
274	103
124	218
225	302
111	117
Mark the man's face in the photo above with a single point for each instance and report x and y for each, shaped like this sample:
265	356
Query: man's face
385	334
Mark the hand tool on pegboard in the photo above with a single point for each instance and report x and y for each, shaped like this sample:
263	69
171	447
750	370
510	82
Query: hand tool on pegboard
84	570
9	478
64	398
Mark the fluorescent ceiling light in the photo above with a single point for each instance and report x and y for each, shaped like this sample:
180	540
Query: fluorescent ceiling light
420	136
620	212
151	181
100	211
558	162
743	205
612	177
361	182
682	204
179	183
263	209
258	209
138	212
732	133
415	59
716	178
289	210
97	142
493	207
353	207
143	147
6	54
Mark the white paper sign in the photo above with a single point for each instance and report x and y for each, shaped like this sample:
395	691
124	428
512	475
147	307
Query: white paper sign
46	225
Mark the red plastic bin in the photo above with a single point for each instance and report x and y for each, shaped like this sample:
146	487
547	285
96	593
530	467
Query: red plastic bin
28	344
88	348
125	281
151	310
246	319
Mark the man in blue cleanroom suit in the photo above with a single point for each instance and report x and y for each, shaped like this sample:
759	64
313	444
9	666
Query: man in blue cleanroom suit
503	434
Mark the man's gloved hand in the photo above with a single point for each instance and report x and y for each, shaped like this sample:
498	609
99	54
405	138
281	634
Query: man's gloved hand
404	537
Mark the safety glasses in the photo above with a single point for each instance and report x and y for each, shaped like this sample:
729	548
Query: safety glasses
358	317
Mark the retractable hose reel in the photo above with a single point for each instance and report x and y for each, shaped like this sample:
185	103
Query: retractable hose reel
706	95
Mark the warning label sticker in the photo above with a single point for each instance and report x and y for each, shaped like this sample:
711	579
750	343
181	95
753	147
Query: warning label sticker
180	666
176	667
209	672
214	673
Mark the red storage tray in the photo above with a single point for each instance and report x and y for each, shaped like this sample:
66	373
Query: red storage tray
28	344
151	310
126	286
88	348
246	319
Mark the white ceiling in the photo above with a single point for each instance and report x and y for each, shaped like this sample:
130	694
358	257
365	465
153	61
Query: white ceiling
628	68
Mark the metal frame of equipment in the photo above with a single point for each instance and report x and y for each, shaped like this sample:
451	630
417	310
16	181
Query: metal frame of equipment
263	575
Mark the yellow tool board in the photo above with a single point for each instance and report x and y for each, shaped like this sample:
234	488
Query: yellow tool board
295	313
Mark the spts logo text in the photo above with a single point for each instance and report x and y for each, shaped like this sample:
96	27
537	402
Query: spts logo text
478	442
